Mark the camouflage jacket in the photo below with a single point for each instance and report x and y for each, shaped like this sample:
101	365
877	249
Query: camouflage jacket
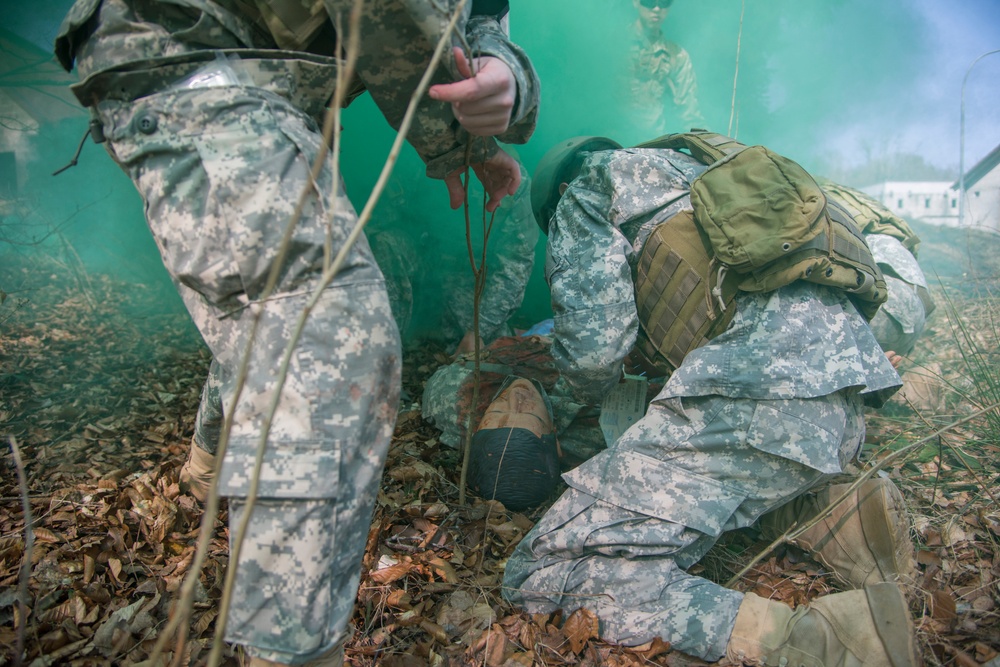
663	86
800	341
124	50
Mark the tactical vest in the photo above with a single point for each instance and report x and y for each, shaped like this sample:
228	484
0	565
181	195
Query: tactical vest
870	215
683	297
758	222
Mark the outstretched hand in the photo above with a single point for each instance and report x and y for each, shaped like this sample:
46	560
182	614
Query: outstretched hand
482	103
894	359
500	176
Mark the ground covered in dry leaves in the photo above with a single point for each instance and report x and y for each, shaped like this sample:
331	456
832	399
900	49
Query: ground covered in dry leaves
98	391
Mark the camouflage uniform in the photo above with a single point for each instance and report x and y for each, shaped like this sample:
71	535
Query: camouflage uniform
215	124
900	321
664	91
764	412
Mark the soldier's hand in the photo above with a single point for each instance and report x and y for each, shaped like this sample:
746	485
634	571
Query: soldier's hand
482	103
500	176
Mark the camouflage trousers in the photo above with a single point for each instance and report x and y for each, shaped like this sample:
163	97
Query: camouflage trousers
221	171
620	540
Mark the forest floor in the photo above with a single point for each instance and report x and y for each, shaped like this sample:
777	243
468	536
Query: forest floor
99	392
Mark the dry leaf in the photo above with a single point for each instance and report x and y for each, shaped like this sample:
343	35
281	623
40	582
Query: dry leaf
580	627
115	566
943	607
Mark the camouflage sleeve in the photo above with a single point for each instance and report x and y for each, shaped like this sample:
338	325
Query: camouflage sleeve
397	40
684	86
488	38
593	300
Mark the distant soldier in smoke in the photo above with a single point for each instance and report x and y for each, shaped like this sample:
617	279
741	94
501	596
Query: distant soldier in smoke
663	86
213	108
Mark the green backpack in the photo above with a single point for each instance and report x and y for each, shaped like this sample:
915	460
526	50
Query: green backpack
763	220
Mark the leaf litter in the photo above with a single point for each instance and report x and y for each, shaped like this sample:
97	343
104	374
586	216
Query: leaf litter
102	405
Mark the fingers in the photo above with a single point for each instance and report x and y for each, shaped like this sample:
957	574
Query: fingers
461	62
482	103
500	176
456	190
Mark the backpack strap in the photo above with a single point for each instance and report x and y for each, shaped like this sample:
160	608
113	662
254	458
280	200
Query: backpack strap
871	215
706	147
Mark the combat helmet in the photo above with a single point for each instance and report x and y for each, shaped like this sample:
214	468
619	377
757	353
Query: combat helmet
555	168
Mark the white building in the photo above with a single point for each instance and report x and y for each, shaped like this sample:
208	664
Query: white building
934	202
982	193
937	202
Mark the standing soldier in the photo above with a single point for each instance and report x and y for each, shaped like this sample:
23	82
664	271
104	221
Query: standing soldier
211	107
664	90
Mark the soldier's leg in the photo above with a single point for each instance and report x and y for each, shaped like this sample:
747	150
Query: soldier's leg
196	474
642	512
221	172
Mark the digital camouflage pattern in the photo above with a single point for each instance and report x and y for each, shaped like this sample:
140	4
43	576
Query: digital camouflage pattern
761	414
619	541
664	90
901	319
208	423
127	55
611	204
221	148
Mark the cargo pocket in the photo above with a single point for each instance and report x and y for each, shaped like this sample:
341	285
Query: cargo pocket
807	431
647	486
290	470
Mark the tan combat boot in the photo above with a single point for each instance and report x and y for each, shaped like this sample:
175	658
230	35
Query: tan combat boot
863	540
865	628
195	476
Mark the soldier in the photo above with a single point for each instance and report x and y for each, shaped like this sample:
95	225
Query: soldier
751	422
664	89
211	107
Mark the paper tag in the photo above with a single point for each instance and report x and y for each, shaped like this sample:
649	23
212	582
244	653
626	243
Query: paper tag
624	406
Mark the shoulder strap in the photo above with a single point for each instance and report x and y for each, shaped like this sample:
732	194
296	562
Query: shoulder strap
706	147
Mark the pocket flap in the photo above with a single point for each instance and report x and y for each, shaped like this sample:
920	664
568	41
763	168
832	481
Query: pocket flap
290	470
655	488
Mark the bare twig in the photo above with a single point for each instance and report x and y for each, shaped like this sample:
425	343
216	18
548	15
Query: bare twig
736	73
29	542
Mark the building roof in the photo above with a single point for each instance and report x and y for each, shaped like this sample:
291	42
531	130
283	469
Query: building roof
980	169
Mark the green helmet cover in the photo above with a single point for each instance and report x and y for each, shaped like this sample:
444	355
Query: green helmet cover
556	167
